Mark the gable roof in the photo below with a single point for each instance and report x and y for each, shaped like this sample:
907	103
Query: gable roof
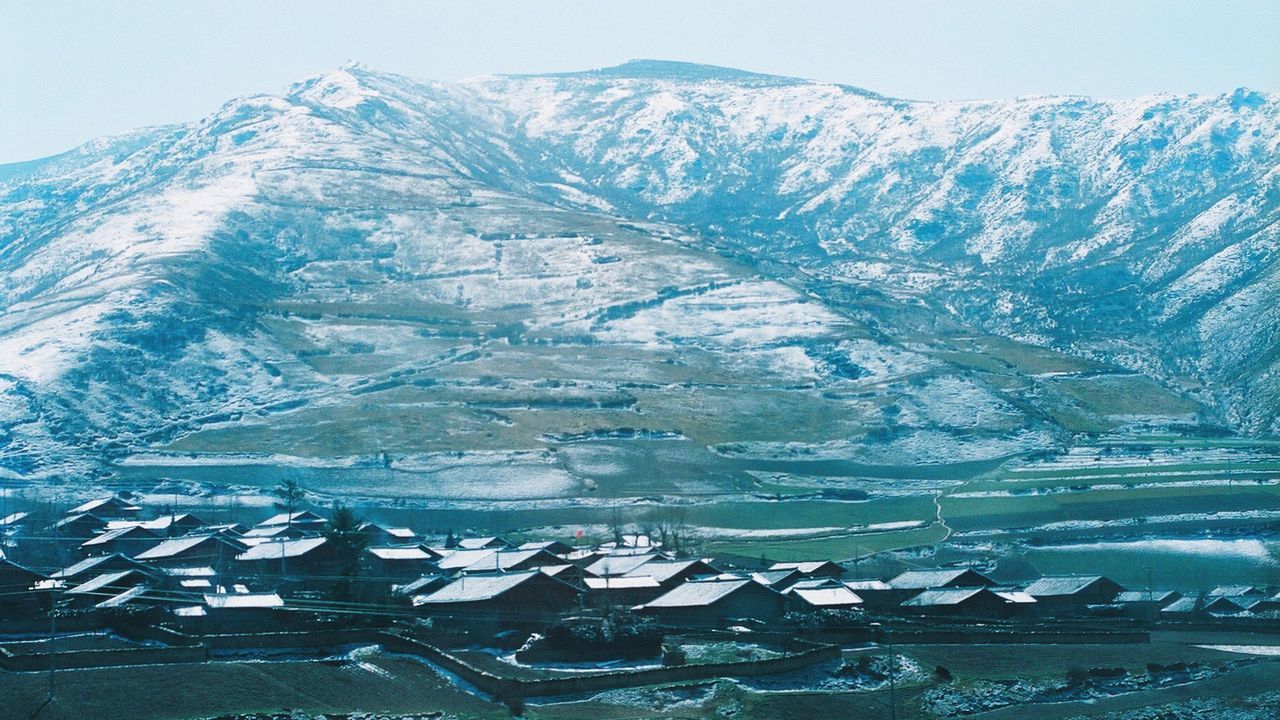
1136	596
131	532
106	504
1234	591
867	585
99	582
302	517
14	518
124	598
665	570
411	553
177	546
511	560
808	567
476	588
88	564
925	579
279	550
701	593
624	582
1062	585
619	564
937	597
459	559
1181	605
482	543
826	596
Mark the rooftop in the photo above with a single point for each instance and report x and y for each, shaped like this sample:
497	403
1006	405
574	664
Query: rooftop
700	593
474	588
280	550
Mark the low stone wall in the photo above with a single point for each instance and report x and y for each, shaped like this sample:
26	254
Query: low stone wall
514	688
75	659
278	640
1016	637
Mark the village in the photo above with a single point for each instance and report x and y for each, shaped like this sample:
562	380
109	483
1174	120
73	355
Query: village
112	582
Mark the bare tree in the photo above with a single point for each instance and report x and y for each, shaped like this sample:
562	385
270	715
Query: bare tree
291	493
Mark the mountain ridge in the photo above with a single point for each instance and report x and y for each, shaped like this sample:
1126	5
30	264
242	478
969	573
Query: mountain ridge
169	289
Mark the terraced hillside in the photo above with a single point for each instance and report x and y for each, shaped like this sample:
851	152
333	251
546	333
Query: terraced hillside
554	296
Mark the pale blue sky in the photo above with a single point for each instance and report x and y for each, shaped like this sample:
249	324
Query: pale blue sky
71	71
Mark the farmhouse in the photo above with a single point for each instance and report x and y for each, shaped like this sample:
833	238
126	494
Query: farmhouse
1146	604
670	573
1070	594
304	519
929	579
101	587
615	565
113	507
97	565
822	594
623	591
777	579
302	563
78	527
716	603
501	597
513	560
396	562
125	541
874	593
485	543
971	601
213	550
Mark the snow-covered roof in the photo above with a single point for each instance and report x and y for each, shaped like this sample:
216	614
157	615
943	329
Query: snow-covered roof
104	580
807	567
195	583
865	585
123	598
482	543
1058	586
101	503
474	588
925	579
202	571
243	600
87	564
302	517
134	531
400	553
619	564
1017	597
1234	591
1136	596
285	549
1181	605
190	611
664	570
699	593
942	596
459	559
175	546
628	582
14	518
838	596
421	583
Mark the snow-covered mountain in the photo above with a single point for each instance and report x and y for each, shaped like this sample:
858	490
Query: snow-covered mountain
729	267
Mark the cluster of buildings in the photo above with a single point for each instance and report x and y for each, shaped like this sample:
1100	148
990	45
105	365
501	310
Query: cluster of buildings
180	564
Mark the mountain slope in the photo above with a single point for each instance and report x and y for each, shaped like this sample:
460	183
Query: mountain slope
647	279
